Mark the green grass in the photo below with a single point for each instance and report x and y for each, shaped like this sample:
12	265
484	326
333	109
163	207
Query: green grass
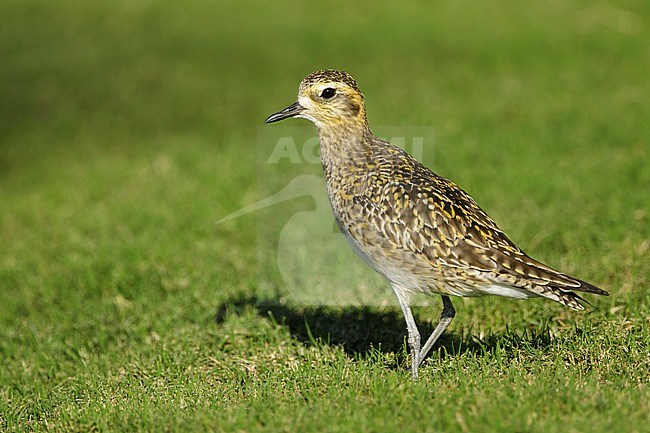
128	128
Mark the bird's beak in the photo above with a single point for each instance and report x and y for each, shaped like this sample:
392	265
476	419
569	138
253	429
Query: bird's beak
291	111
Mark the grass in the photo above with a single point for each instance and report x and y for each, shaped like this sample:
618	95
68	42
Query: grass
128	128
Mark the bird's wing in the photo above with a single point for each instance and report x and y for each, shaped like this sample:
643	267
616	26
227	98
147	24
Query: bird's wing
432	217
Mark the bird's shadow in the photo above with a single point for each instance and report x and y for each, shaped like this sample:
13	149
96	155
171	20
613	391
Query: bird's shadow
361	330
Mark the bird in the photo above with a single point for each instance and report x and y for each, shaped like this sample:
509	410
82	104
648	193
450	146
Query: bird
419	230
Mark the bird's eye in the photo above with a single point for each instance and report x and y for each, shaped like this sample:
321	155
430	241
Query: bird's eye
328	93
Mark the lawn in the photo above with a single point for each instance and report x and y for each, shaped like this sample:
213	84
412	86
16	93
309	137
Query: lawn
129	128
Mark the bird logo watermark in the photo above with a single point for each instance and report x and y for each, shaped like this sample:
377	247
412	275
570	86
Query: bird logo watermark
303	257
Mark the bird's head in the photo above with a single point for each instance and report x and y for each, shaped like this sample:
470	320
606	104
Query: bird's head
330	99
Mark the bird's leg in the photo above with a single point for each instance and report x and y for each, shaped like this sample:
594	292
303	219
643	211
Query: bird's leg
413	333
447	315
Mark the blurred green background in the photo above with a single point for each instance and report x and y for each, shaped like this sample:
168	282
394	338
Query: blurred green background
127	128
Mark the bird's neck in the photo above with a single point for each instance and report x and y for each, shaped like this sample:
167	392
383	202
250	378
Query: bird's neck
345	148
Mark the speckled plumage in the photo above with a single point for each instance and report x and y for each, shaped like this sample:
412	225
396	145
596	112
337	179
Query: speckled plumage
420	231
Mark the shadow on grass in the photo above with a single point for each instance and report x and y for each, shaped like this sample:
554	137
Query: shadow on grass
360	330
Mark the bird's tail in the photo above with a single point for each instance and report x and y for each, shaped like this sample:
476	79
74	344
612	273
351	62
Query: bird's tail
573	300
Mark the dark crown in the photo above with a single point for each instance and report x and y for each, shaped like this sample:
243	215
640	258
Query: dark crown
330	75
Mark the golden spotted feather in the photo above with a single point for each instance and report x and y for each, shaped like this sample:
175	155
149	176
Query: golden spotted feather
422	218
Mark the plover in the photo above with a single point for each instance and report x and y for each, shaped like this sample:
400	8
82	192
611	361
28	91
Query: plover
420	231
